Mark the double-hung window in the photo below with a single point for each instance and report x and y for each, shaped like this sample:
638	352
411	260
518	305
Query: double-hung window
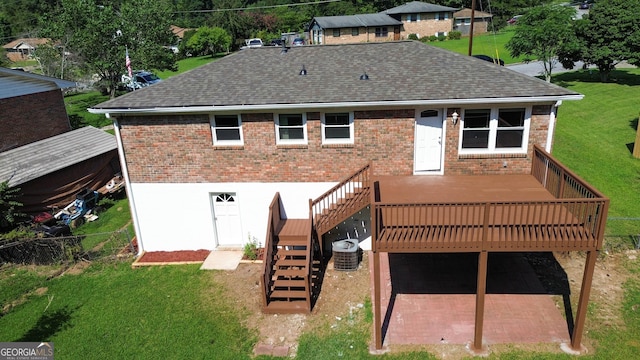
227	130
382	32
291	128
495	130
355	31
413	17
336	32
337	128
442	16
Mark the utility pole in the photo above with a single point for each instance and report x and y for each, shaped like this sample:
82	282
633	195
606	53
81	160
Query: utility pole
473	18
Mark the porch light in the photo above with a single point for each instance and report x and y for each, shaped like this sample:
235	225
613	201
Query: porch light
454	118
303	71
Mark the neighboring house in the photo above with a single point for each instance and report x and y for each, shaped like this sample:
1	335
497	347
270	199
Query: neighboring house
423	19
354	29
50	172
21	49
418	148
31	108
462	21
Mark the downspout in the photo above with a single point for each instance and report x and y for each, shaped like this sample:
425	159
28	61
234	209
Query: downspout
127	183
552	126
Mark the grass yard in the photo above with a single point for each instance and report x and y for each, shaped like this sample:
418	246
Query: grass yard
595	136
113	312
486	44
188	64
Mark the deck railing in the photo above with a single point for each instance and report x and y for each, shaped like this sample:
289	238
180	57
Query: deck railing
269	246
561	182
575	220
347	196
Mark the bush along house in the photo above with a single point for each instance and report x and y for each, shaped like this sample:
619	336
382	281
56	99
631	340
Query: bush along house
404	146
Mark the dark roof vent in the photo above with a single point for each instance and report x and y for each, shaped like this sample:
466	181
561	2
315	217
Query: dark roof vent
303	71
364	76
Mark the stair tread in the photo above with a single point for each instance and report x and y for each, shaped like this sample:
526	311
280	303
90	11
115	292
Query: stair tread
292	262
290	252
289	282
297	294
287	307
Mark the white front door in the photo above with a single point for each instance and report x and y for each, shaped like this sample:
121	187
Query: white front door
226	215
428	141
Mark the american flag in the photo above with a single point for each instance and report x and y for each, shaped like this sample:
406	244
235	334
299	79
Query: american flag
128	63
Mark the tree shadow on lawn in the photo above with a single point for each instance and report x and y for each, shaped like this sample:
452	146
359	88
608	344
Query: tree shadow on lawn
618	76
48	325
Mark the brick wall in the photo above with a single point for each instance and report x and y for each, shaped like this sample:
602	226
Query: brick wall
29	118
180	149
427	26
364	35
495	163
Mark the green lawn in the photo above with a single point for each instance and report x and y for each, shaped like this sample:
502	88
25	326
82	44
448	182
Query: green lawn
188	64
595	136
486	44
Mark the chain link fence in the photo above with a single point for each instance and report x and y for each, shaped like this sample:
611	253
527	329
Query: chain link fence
66	250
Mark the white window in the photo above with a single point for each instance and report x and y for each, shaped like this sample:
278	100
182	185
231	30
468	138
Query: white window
442	16
413	17
291	128
503	130
227	130
337	128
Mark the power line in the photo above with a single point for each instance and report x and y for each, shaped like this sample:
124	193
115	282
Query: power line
257	7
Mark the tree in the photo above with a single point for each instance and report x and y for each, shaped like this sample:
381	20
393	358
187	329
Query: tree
9	206
542	33
609	34
99	34
209	40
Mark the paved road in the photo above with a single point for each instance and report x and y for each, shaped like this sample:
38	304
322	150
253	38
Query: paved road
535	68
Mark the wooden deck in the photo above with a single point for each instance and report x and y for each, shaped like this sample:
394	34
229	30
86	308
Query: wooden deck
475	213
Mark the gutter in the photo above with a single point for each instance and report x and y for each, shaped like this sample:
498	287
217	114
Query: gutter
333	105
127	184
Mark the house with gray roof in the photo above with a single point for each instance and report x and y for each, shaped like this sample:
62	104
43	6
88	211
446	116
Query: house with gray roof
213	145
354	29
32	107
418	18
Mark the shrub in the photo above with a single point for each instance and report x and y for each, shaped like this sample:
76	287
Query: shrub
250	249
455	35
412	37
433	38
442	38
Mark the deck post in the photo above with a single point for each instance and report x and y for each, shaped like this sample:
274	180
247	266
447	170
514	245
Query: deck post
480	293
377	327
585	289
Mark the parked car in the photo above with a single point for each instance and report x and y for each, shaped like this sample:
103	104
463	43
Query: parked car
252	43
490	59
513	20
276	42
140	79
297	42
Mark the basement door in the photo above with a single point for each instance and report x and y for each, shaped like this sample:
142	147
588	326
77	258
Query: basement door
428	141
226	216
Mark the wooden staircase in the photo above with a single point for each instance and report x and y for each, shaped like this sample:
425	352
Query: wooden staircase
293	262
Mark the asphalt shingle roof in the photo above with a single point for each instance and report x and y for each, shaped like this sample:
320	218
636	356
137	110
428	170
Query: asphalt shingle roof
43	157
366	20
398	71
418	7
